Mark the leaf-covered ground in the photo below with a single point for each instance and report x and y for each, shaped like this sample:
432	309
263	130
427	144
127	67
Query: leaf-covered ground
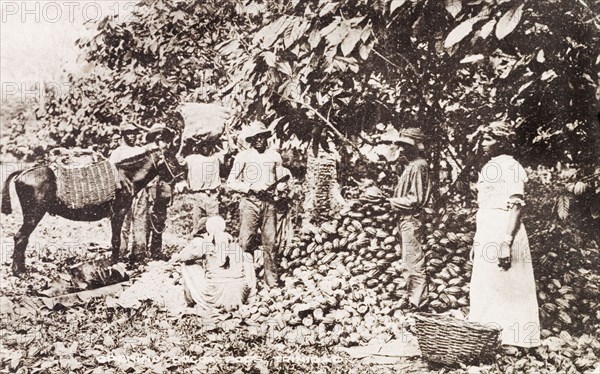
91	335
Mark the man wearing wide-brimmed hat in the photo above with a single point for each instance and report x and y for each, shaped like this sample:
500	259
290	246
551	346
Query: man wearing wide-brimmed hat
159	192
144	225
410	196
255	173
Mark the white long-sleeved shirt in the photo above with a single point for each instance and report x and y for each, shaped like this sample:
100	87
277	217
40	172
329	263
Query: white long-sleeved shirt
253	169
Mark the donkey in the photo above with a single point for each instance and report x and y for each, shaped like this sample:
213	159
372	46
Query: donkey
36	188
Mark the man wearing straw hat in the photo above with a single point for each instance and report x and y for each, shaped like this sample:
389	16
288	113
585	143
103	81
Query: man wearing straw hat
158	192
255	173
410	196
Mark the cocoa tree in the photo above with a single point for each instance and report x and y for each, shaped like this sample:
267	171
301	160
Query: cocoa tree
344	67
143	67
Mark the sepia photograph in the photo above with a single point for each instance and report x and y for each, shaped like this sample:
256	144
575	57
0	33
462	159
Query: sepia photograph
301	186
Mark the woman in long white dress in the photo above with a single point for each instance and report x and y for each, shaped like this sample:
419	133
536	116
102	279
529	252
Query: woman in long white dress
502	283
217	273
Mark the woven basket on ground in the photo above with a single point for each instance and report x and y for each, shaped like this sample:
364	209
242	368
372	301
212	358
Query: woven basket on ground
451	341
82	186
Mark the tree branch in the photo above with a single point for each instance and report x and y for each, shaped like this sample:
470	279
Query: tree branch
329	124
591	11
411	66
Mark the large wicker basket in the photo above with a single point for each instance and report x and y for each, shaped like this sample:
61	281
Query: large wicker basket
451	341
82	186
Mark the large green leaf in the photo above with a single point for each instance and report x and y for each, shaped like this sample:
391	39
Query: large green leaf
326	7
365	49
338	34
461	31
269	34
350	41
314	38
270	58
294	31
395	4
563	204
509	21
487	29
285	68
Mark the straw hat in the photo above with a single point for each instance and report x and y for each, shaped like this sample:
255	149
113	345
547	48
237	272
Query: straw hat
254	129
158	129
501	129
412	136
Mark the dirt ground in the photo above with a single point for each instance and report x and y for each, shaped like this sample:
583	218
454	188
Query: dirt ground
91	337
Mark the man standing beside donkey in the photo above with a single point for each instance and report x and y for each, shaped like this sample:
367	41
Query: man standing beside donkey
145	223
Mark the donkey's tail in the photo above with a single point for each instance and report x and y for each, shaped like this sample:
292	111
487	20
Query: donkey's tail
6	207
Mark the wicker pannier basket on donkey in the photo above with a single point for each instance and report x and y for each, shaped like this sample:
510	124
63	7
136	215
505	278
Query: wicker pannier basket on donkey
82	185
450	341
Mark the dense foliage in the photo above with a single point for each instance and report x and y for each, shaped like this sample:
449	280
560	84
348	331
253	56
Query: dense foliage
444	66
327	69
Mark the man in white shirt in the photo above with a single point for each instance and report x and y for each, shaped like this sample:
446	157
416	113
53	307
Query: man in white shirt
127	147
254	173
204	183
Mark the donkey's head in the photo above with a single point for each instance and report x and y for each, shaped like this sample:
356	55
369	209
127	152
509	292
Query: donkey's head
154	161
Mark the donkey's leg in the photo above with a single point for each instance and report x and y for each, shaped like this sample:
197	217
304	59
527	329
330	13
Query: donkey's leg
31	218
34	191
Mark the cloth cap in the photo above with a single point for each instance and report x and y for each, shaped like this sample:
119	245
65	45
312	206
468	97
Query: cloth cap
128	127
254	129
498	129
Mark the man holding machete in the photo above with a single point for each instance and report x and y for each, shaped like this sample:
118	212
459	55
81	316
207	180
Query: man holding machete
403	152
410	196
256	173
